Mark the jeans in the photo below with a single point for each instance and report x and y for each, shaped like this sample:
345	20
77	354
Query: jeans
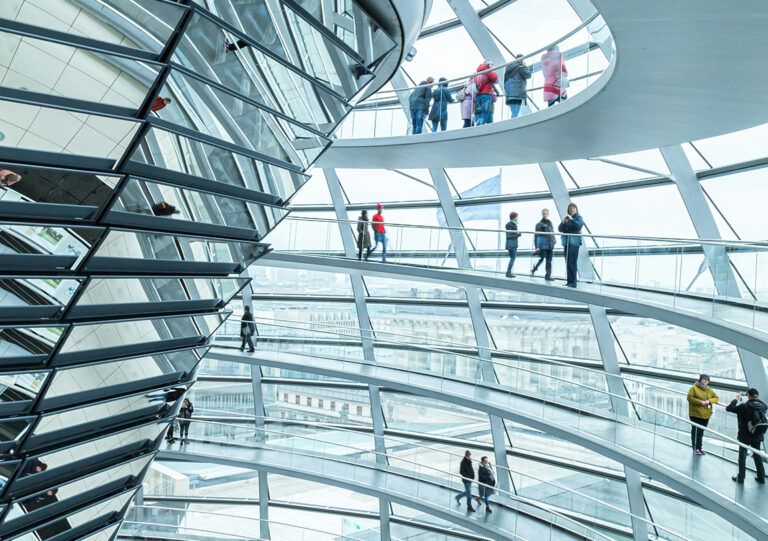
514	107
697	433
484	102
485	492
571	263
467	492
512	257
247	338
443	122
417	119
380	238
545	255
759	466
467	123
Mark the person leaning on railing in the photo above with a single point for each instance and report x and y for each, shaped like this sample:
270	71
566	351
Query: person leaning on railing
418	103
467	99
441	97
516	84
485	93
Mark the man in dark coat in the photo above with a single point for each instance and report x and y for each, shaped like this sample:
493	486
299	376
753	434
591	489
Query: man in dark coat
246	330
511	244
419	103
750	412
467	473
485	480
571	224
544	244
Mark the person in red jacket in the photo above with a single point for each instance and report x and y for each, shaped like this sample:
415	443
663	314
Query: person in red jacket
485	93
379	233
160	103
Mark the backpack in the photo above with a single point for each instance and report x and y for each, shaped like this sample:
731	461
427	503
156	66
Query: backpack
758	424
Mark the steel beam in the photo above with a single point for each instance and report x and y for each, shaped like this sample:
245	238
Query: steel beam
477	31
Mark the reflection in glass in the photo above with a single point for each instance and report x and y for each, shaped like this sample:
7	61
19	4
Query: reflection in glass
27	345
20	387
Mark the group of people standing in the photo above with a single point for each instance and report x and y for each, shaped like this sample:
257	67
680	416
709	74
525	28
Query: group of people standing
364	234
478	97
544	243
752	423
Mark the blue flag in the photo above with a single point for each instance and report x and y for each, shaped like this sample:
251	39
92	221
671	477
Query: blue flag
492	186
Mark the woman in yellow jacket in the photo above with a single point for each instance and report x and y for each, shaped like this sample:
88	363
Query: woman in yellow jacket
700	400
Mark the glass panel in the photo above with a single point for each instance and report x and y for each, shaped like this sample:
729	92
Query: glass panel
250	72
135	290
426	415
57	186
24	239
275	281
120	333
320	404
201	479
12	429
27	344
40	292
105	377
423	324
20	387
205	109
70	490
54	130
56	69
145	197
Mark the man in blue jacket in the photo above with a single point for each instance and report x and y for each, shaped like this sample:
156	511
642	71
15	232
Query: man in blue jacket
571	224
545	244
419	103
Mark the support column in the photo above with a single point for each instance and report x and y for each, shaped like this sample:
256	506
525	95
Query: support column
366	336
498	432
604	337
477	31
716	257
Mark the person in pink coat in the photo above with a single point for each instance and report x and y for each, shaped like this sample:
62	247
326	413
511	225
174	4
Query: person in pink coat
555	76
467	104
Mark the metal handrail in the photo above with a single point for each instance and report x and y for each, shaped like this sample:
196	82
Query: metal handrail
725	439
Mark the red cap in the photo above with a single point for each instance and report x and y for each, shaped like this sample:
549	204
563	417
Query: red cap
379	206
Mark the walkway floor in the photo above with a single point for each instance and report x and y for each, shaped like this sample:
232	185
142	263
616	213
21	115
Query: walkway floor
705	479
430	497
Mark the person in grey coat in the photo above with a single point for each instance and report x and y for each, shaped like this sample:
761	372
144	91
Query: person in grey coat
544	244
485	481
511	244
516	84
419	103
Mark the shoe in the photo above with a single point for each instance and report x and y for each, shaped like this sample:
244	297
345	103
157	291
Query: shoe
457	500
509	275
488	510
697	451
570	285
736	478
471	509
549	279
701	452
251	350
533	272
761	481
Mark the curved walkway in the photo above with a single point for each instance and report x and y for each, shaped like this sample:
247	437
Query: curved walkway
433	498
704	479
732	322
674	61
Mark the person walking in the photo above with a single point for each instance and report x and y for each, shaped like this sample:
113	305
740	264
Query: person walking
700	400
363	236
485	93
511	244
555	76
467	102
516	77
247	329
441	97
752	427
544	245
571	225
486	480
467	473
419	103
379	233
185	414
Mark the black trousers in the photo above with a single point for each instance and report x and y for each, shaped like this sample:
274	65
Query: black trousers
697	433
184	429
247	338
545	255
759	467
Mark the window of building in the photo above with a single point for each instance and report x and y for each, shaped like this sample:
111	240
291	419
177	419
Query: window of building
333	405
360	410
309	401
285	397
298	399
320	403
